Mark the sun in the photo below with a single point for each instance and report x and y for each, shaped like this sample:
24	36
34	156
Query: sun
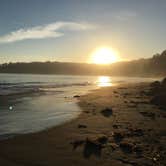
104	55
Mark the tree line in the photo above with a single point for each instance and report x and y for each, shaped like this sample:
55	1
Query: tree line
155	66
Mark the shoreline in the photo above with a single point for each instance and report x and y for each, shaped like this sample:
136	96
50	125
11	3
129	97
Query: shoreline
127	133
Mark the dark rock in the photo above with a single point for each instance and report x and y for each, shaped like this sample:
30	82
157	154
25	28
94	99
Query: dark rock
127	147
158	93
159	100
76	96
82	126
92	148
118	136
102	139
115	126
155	84
163	83
107	112
87	112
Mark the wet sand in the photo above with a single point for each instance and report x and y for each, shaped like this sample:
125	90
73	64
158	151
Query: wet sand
118	126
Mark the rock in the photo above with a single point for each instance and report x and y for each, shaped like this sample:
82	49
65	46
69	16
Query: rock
159	100
115	126
82	126
87	112
127	147
107	112
158	93
163	83
118	136
76	96
92	147
155	84
102	139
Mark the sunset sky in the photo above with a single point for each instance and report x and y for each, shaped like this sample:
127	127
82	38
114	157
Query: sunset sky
70	30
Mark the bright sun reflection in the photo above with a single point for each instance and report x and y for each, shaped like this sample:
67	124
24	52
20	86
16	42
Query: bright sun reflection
104	81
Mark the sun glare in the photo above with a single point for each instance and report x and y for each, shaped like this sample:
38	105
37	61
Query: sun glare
104	55
104	81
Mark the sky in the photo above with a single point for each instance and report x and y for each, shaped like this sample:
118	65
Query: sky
70	30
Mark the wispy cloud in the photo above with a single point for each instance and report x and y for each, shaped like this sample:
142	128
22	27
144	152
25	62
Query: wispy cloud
53	30
125	15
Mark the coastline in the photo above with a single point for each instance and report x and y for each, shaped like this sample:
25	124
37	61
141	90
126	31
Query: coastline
130	132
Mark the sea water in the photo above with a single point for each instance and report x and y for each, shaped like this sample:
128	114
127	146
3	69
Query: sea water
31	102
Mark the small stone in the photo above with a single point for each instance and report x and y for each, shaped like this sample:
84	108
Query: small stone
107	112
102	139
118	136
127	147
82	126
76	96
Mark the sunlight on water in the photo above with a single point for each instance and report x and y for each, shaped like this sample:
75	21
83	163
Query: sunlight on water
104	81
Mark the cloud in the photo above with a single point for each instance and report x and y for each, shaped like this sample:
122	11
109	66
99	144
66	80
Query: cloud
46	31
125	15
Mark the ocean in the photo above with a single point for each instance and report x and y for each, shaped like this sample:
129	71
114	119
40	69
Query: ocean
31	102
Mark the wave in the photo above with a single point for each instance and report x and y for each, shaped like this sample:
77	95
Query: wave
7	89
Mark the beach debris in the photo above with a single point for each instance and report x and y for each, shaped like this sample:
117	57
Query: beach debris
107	112
82	126
92	147
76	96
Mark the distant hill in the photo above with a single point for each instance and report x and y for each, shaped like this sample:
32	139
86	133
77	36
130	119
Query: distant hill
155	66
